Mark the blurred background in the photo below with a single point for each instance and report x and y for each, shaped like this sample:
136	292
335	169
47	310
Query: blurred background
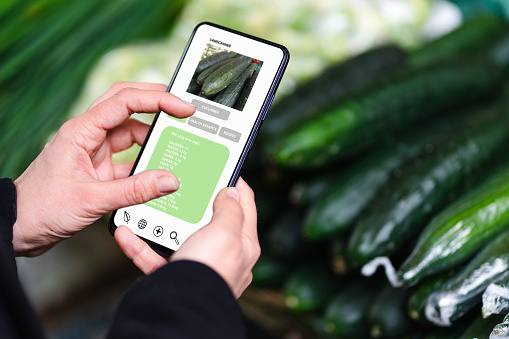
422	81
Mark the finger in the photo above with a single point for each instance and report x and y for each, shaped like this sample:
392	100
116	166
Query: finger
134	190
138	251
118	86
114	111
227	210
122	170
124	136
248	205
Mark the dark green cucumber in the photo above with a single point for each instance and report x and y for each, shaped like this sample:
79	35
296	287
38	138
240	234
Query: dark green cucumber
344	197
495	299
193	87
460	230
501	331
284	238
481	328
417	302
335	82
211	60
244	95
347	312
385	108
224	75
203	75
462	292
309	288
467	39
270	272
426	184
229	95
388	317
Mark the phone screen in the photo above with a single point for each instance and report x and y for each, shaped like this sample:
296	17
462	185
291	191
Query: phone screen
206	150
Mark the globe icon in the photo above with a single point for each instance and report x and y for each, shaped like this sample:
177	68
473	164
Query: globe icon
142	223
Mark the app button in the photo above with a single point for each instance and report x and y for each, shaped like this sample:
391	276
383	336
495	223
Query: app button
127	217
173	236
158	231
142	224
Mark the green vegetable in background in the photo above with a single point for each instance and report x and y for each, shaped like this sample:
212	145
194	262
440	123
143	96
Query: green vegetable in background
460	230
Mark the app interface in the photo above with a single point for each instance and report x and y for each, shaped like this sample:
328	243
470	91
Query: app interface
227	77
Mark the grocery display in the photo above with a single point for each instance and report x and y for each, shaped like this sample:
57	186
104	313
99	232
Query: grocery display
407	171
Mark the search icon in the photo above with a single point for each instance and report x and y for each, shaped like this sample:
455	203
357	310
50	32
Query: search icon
173	236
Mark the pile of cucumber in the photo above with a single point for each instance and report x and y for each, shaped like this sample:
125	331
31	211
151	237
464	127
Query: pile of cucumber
384	201
226	78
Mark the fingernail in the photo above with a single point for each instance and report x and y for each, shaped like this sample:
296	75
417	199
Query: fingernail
188	103
233	192
167	184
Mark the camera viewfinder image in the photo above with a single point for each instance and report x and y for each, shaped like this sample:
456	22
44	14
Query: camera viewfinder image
224	77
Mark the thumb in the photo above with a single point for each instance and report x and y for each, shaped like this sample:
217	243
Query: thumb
136	189
227	210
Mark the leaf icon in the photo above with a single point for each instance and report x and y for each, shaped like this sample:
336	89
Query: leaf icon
127	217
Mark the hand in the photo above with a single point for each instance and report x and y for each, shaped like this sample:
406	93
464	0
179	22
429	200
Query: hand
73	182
228	244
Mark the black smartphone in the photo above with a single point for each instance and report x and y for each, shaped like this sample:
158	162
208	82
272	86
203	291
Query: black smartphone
231	78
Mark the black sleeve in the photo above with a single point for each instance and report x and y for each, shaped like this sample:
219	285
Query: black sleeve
17	317
183	299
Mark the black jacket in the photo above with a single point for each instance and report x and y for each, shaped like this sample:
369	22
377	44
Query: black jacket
183	299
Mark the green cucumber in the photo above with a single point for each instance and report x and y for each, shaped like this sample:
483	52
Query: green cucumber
335	82
426	184
495	299
244	95
309	288
284	238
203	75
339	200
385	108
462	292
469	38
501	331
416	305
224	75
229	95
211	60
481	328
347	312
460	230
194	87
388	317
270	272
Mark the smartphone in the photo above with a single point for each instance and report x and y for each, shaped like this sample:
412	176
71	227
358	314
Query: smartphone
231	78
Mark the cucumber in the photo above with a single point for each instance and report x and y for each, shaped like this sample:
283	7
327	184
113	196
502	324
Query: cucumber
347	312
224	75
426	184
211	60
284	238
388	317
416	305
495	299
309	288
462	292
469	38
481	328
205	73
244	95
229	95
460	230
501	331
335	82
193	87
339	200
385	108
269	272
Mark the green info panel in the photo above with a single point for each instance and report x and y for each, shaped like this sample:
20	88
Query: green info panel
197	163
